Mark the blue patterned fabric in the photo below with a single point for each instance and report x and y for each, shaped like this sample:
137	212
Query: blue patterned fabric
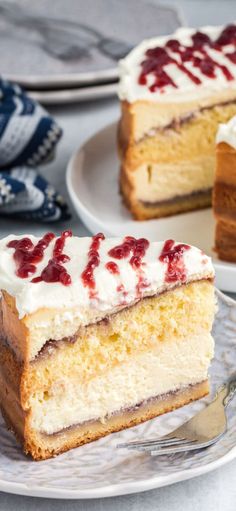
25	194
28	138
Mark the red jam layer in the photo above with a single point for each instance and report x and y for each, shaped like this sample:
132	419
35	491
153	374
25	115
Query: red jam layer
157	58
172	255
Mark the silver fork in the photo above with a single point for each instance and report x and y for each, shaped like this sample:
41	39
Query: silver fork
202	430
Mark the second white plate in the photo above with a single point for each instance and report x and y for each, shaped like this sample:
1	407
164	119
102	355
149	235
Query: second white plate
93	185
75	95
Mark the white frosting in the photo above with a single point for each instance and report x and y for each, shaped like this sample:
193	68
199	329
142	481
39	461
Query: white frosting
227	133
130	68
30	297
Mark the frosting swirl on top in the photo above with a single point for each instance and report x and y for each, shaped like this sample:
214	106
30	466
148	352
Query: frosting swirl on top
93	273
188	61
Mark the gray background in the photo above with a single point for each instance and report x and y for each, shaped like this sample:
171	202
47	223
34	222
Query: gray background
212	492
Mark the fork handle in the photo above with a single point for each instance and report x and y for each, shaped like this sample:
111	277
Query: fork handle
230	387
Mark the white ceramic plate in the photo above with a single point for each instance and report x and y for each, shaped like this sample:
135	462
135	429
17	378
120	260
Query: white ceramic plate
50	83
100	470
92	181
24	59
67	96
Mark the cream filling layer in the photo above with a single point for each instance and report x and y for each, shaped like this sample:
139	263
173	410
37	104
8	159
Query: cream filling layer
159	182
170	366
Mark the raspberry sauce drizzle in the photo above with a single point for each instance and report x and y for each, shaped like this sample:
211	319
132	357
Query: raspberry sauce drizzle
173	255
157	58
136	248
227	36
87	275
55	271
114	270
27	255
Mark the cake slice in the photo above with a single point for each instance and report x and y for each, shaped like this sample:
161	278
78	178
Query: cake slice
99	334
224	195
174	92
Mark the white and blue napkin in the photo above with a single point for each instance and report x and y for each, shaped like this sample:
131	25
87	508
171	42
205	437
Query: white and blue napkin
28	138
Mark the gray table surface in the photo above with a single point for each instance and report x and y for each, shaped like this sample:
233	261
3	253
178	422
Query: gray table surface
215	491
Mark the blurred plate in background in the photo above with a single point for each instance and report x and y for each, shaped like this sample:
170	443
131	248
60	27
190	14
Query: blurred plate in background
73	95
95	26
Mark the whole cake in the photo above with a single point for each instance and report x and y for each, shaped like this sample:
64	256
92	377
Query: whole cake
174	92
224	194
99	334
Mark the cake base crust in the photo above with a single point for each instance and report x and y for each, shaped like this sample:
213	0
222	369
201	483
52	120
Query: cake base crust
42	446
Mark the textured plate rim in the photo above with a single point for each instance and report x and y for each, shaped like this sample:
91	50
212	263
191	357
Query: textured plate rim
224	269
113	490
67	96
64	80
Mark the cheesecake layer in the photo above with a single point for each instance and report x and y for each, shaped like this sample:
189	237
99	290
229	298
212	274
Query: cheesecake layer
165	368
42	446
161	182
